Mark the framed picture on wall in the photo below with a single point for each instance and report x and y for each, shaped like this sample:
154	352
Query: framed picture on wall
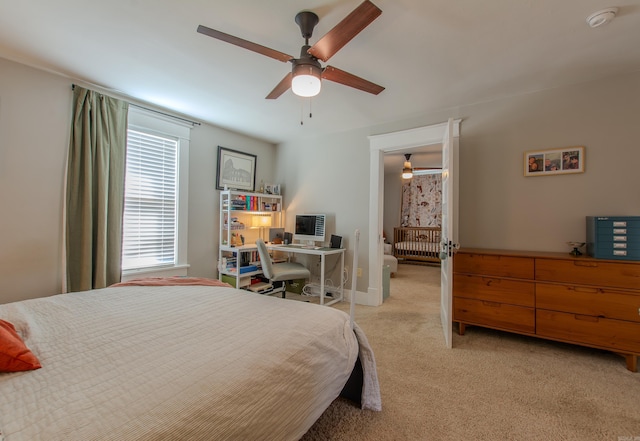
236	170
554	161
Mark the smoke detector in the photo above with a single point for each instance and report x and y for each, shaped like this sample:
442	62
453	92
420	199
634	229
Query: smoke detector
601	17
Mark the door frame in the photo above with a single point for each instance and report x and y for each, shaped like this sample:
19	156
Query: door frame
378	146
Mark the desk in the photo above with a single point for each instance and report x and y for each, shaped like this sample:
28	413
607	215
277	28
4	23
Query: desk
323	252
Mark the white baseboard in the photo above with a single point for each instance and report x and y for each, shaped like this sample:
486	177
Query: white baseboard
362	298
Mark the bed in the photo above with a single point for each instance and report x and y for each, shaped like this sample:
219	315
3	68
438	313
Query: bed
185	362
417	243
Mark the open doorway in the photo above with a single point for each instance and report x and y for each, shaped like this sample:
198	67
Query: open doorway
412	206
379	146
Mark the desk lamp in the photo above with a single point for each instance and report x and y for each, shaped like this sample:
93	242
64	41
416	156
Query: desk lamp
261	221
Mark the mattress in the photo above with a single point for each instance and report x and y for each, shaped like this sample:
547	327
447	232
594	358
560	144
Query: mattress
178	363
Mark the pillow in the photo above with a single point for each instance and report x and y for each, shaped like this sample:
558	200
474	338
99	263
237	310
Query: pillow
14	354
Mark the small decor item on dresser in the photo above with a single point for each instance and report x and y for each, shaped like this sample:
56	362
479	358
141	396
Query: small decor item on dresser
576	246
554	161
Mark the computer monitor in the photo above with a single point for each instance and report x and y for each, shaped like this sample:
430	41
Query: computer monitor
310	228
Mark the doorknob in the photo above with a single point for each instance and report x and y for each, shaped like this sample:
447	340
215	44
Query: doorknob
444	249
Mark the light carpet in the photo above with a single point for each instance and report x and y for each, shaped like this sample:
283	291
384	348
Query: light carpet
491	386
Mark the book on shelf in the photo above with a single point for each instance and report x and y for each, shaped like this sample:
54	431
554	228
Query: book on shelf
243	269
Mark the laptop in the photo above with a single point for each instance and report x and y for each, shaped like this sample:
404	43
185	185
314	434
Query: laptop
276	235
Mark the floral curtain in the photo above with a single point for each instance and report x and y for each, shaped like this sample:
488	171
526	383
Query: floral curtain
422	201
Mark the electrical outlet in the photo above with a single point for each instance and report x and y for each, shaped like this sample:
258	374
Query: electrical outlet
359	272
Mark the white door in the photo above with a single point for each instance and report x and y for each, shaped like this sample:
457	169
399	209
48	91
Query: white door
447	244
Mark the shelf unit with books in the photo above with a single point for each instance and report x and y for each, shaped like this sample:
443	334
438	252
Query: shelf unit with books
244	217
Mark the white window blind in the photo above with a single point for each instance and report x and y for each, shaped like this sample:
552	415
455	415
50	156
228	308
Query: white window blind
150	205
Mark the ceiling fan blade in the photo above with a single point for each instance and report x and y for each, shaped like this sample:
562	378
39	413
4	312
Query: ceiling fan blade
343	32
263	50
281	88
340	76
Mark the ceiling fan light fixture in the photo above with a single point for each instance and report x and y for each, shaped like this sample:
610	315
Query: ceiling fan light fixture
407	170
306	80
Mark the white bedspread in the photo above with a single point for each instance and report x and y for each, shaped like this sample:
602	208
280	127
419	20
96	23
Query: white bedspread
177	363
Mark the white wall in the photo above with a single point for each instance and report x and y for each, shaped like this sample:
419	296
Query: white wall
35	110
500	208
392	203
330	175
35	118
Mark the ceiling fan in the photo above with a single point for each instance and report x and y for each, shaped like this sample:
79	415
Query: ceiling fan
409	171
307	72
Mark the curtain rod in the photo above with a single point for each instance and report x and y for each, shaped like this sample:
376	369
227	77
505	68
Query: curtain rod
195	123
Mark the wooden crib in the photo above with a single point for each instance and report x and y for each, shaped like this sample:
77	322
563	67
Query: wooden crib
417	243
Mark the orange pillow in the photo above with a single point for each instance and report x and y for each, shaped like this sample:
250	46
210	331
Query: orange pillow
14	354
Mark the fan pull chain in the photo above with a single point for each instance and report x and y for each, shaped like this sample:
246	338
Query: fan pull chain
302	111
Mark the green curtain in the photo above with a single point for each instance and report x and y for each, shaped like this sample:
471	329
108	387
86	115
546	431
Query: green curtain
95	190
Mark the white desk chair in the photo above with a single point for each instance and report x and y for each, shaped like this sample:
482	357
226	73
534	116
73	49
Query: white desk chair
279	273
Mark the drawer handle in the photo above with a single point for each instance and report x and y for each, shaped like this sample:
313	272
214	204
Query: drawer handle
586	318
492	304
587	264
490	282
587	290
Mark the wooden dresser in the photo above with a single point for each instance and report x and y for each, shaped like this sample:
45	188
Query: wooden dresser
580	300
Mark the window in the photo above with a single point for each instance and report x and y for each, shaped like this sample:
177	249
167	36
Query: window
150	201
155	205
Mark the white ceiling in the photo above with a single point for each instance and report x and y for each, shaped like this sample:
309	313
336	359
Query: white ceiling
431	55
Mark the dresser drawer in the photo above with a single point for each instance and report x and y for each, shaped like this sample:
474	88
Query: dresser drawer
494	265
494	315
614	222
627	235
599	302
589	272
615	251
509	291
589	330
